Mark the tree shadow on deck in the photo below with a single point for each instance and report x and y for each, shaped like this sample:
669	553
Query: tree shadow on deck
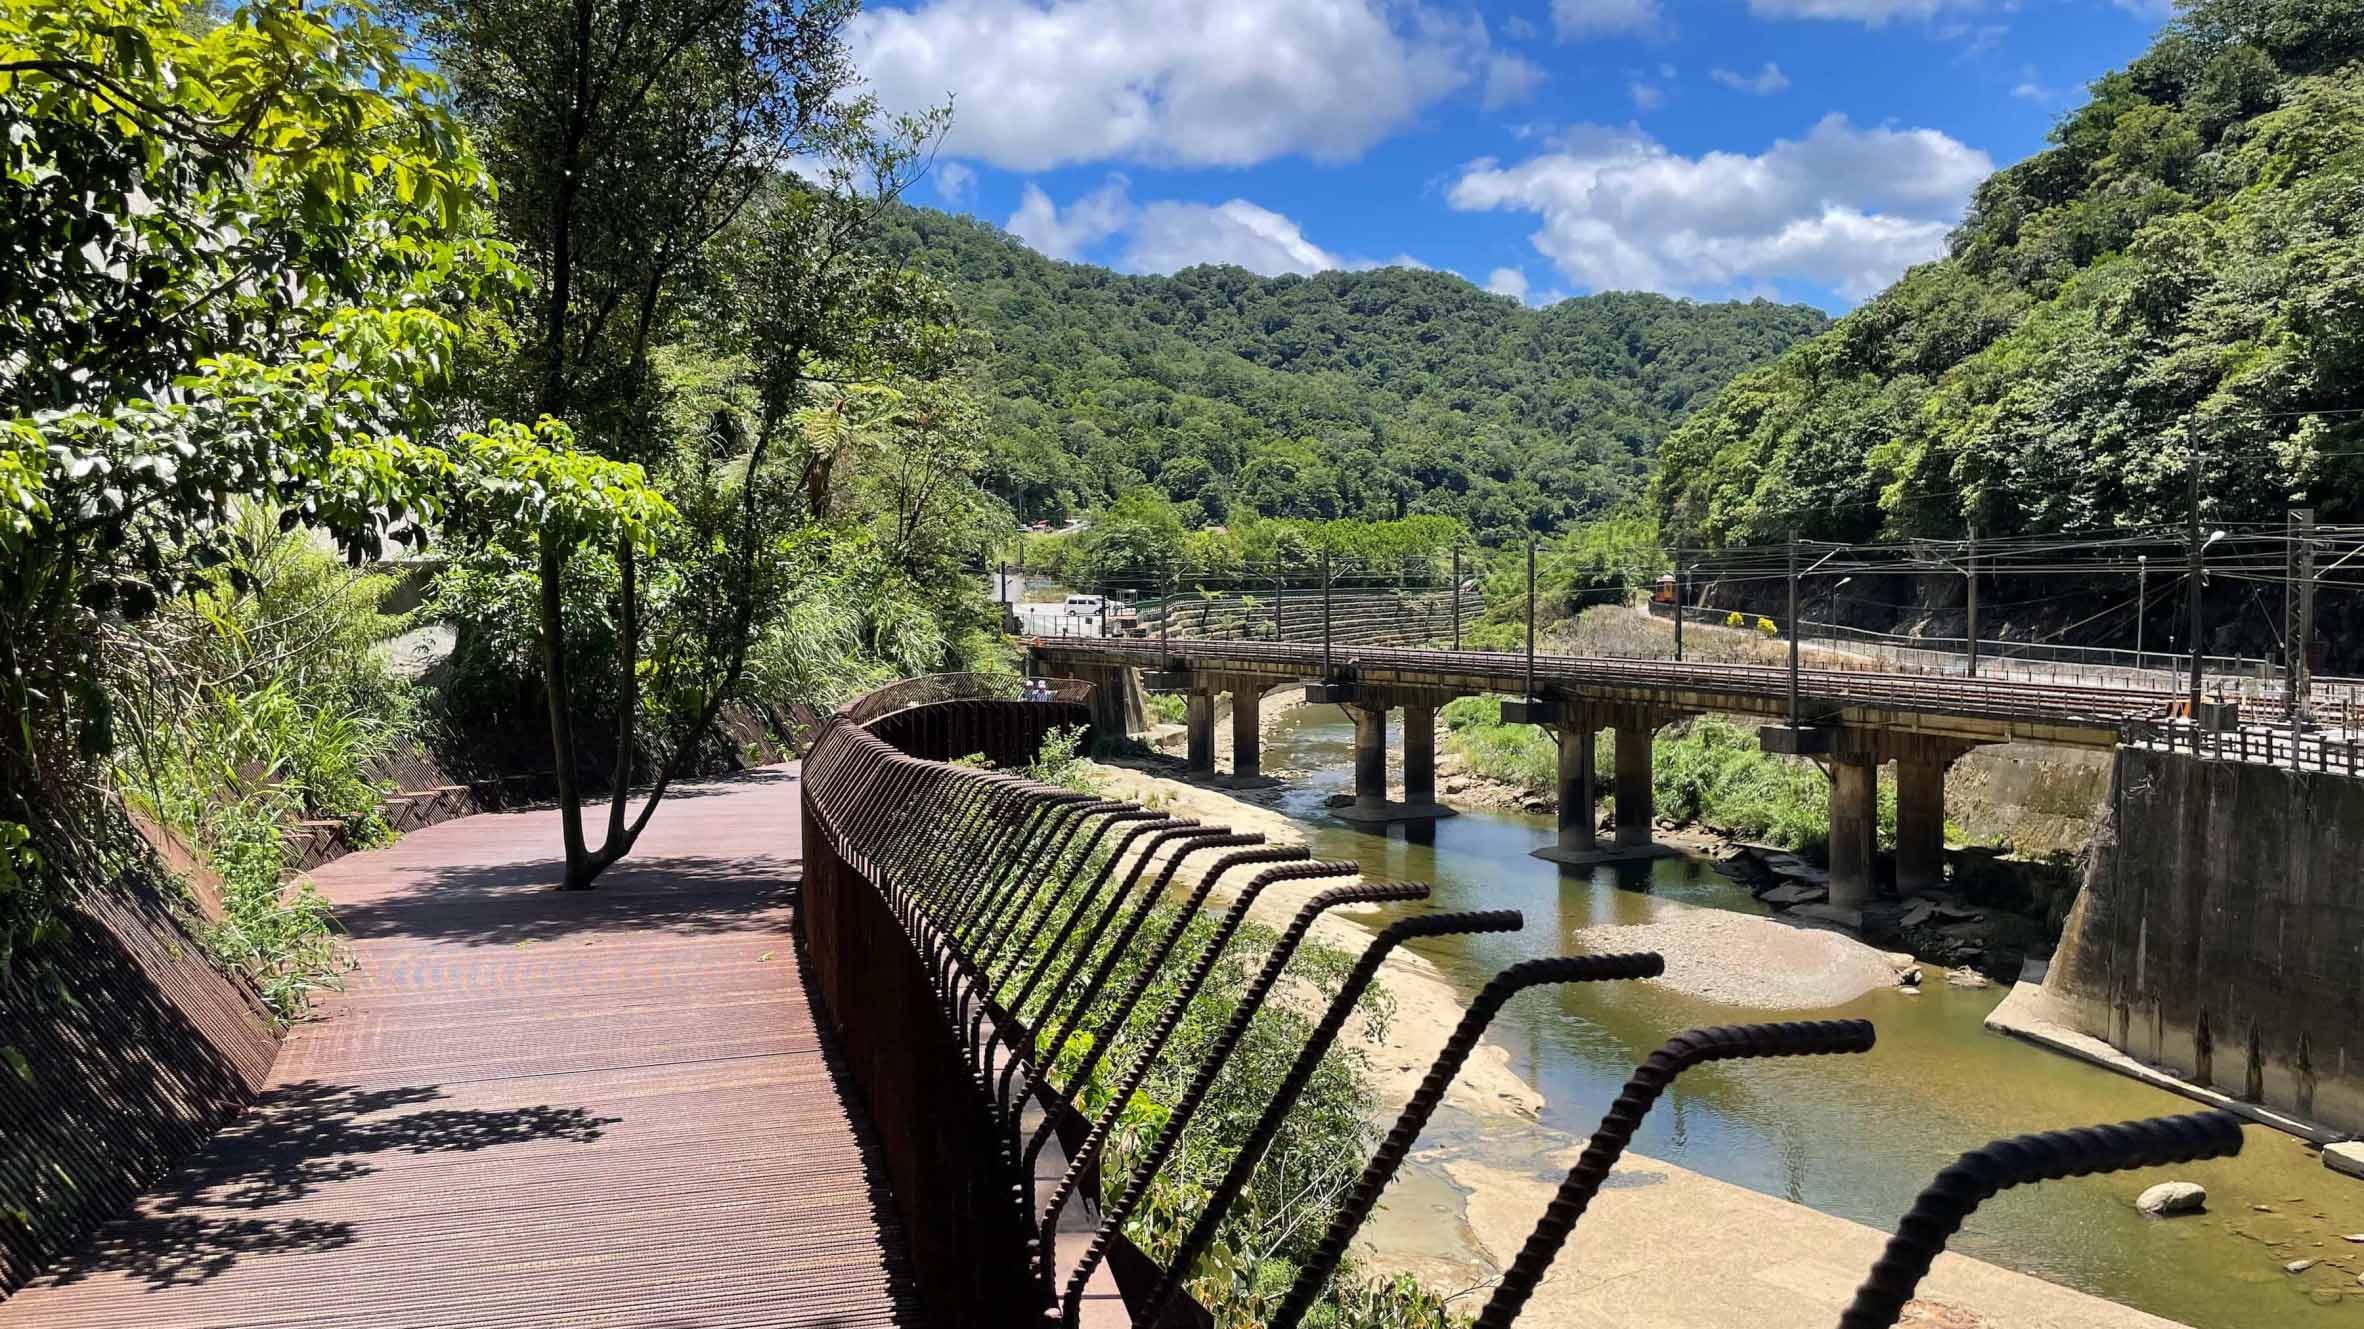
501	904
207	1217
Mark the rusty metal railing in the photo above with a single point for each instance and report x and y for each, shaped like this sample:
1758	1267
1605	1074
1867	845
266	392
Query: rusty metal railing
994	954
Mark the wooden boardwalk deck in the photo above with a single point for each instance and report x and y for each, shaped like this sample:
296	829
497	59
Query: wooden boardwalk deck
531	1108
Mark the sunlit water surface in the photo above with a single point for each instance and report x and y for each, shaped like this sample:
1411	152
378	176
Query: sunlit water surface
1853	1136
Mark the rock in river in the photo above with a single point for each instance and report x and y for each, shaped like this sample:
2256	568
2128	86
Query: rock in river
2173	1197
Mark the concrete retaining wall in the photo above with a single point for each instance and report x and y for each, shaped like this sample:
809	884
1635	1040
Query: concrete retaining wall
2220	931
2043	800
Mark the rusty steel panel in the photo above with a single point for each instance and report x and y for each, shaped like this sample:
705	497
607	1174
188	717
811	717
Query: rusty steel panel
133	1050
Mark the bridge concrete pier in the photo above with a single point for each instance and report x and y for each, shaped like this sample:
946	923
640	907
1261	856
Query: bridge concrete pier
1921	763
1634	804
1419	753
1419	811
1636	727
1854	827
1198	716
1920	826
1247	732
1577	795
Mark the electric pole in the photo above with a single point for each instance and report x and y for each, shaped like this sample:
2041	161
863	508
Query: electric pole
1326	675
1681	585
1456	595
2196	552
1530	615
1793	631
1973	580
2301	678
2142	601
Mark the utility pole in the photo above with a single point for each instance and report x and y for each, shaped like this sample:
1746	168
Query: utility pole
1682	593
2301	680
2142	602
1973	579
1793	631
1530	615
1325	616
2196	552
1456	595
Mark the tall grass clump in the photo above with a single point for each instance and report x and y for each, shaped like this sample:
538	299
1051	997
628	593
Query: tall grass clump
265	697
1522	756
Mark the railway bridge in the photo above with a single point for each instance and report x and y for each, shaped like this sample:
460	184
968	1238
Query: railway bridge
1853	721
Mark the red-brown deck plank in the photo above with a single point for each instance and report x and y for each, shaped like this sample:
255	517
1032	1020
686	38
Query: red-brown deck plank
527	1108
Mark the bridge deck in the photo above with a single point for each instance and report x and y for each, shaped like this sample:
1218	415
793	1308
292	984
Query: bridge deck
1979	709
530	1108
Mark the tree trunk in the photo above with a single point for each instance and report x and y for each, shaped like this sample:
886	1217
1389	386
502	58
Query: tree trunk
562	731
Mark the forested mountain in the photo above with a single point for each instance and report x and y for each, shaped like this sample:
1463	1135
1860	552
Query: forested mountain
1373	394
2176	284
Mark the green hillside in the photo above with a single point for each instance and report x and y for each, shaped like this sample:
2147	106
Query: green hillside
2176	283
1373	394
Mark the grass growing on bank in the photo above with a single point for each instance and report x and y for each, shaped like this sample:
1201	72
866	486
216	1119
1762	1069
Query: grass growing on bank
1168	707
1708	770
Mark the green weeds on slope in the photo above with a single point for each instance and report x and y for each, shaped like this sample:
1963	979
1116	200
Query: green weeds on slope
1310	1166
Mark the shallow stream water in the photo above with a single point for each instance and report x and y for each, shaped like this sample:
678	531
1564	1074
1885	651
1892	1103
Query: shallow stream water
1852	1136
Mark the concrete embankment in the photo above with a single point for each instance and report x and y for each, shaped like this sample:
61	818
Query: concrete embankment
1663	1247
2220	928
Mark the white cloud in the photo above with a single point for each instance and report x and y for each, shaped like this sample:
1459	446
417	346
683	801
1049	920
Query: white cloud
955	183
1065	233
1584	18
1518	29
1764	83
1168	235
1172	236
1511	78
1843	207
1042	83
1646	97
1874	13
1508	281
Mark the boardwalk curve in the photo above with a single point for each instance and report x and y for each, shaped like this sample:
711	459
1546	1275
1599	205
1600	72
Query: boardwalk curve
530	1108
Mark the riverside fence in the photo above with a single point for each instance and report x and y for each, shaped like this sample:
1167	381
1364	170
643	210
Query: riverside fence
981	941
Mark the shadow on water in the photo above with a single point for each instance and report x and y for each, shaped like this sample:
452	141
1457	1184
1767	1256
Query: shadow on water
1854	1136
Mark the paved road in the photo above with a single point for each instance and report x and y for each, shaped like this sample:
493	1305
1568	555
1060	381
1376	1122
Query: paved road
531	1108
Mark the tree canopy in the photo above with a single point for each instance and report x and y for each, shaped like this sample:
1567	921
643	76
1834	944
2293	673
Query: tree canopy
1370	395
2174	288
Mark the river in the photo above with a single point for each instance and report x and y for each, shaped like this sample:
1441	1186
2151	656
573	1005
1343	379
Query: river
1852	1136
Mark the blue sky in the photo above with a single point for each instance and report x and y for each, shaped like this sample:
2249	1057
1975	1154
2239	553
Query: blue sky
1801	149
